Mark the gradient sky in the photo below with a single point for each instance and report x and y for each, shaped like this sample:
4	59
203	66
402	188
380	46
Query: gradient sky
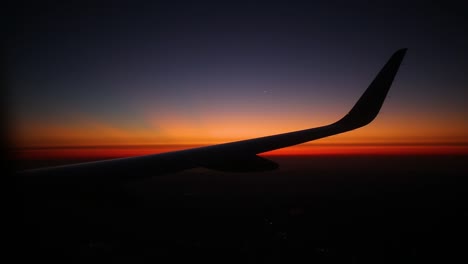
87	74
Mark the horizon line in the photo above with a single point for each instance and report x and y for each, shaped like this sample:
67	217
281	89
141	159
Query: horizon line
318	149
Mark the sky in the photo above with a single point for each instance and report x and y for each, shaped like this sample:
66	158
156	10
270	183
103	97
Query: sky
87	77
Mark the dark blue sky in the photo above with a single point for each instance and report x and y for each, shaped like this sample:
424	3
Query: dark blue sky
142	66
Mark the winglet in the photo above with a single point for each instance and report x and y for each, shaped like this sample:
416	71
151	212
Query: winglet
368	106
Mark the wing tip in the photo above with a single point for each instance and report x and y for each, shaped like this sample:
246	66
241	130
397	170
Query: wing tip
402	50
399	53
368	106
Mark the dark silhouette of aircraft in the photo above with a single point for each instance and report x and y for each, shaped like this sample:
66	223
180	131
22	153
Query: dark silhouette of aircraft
239	156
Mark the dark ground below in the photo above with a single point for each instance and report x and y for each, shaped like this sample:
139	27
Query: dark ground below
333	209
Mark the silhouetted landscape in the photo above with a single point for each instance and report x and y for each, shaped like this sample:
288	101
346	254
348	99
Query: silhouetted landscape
325	209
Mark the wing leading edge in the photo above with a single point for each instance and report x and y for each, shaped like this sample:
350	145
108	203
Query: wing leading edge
239	155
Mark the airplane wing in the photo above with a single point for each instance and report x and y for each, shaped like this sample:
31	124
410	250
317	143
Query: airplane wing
239	156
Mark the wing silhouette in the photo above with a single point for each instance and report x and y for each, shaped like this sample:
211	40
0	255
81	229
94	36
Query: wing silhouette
239	156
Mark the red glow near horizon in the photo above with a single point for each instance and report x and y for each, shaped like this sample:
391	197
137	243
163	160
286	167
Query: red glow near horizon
106	152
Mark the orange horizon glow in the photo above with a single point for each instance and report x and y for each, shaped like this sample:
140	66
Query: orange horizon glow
89	138
385	130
